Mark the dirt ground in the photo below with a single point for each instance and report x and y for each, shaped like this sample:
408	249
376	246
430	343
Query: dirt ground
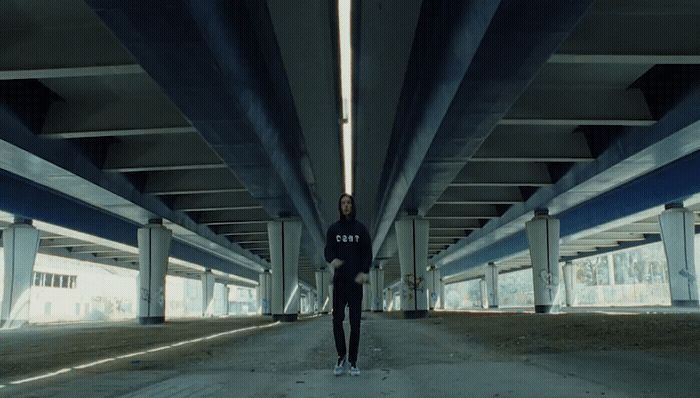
38	348
446	355
540	333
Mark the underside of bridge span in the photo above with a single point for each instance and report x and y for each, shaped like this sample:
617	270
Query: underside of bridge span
171	162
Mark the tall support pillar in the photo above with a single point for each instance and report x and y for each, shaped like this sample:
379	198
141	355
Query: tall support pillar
265	293
543	236
21	243
154	249
313	301
208	283
484	293
285	240
492	285
678	235
366	299
569	283
434	289
322	296
389	299
219	307
412	240
376	283
442	294
227	297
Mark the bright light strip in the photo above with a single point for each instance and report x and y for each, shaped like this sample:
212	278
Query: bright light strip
91	364
345	35
140	353
58	372
291	298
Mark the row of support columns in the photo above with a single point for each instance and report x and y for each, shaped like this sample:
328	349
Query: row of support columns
421	289
21	244
677	234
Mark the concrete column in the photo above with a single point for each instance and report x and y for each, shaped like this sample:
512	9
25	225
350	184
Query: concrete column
442	295
303	302
611	270
322	297
492	284
313	301
265	293
484	293
678	235
220	299
21	242
227	297
208	283
376	283
543	236
412	240
388	299
569	283
434	289
285	239
154	250
366	299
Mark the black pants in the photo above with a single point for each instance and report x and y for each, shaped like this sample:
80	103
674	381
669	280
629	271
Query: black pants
347	293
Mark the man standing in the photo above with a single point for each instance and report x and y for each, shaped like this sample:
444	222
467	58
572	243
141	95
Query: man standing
349	252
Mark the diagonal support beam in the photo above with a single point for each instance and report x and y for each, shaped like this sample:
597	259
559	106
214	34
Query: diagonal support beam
220	63
68	72
448	35
454	120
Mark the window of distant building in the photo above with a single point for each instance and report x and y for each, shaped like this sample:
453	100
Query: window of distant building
47	279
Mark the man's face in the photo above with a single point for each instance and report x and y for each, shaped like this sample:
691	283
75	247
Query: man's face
346	205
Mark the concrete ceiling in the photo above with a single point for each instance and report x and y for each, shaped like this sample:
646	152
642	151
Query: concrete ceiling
471	116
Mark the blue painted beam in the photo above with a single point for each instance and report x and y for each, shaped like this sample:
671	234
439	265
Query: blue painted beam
24	198
450	115
521	38
648	239
219	62
636	152
448	35
19	130
671	183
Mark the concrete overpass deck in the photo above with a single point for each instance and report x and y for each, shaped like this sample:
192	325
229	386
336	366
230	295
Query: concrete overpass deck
448	355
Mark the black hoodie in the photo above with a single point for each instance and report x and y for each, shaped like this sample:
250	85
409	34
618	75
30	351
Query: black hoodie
348	240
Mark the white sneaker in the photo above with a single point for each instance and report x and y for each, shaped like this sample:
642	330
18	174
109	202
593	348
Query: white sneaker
340	366
354	371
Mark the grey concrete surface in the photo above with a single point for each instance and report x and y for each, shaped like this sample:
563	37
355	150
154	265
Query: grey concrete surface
398	358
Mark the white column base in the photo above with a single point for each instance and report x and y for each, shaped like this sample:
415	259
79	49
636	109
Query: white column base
678	235
543	236
20	244
154	250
